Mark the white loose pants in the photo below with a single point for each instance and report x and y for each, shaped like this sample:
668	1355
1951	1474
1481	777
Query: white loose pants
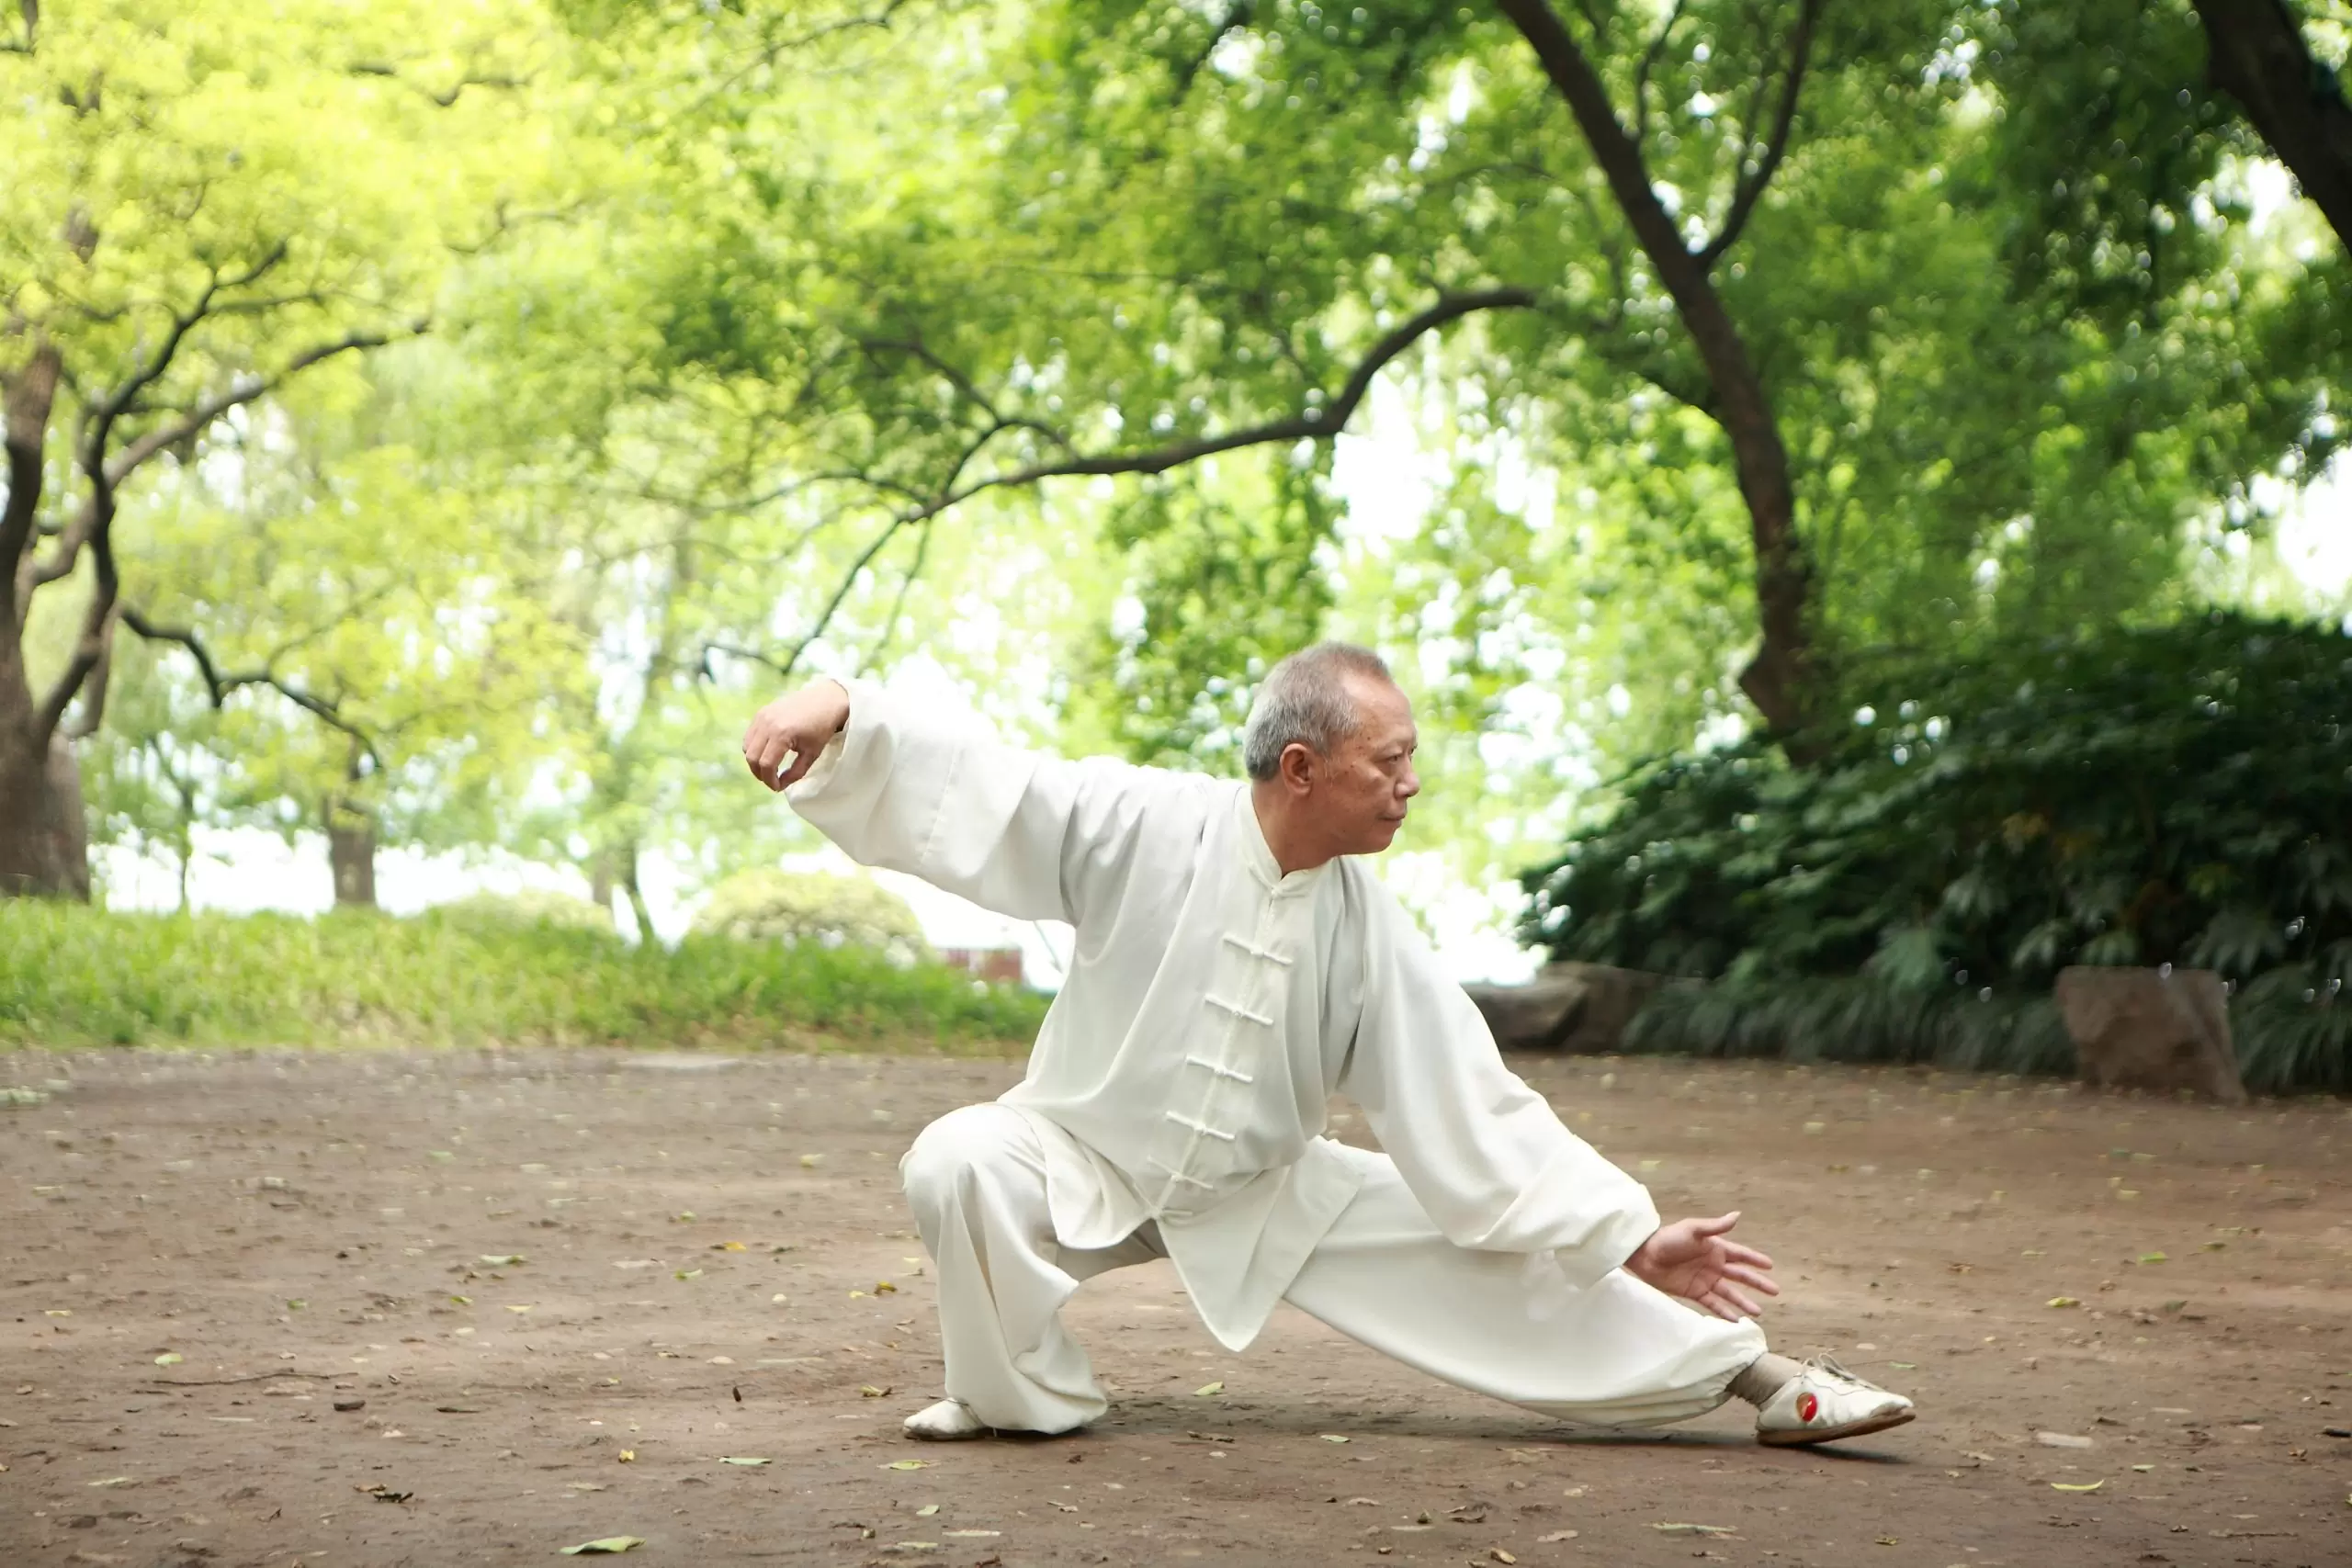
1618	1354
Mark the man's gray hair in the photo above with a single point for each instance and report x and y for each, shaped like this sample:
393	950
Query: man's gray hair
1306	699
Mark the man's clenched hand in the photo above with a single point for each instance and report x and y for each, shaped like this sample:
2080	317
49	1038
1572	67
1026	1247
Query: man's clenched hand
1691	1259
787	734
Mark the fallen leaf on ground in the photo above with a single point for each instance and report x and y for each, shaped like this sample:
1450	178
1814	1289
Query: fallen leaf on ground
2071	1487
628	1456
907	1464
513	1308
1694	1529
587	1486
113	1481
728	1246
168	1359
2061	1440
870	1391
610	1543
742	1461
2065	1302
1500	1555
926	1511
1331	1437
502	1259
1555	1535
972	1535
1207	1388
685	1273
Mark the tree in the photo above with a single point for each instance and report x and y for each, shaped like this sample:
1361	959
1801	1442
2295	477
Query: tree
1783	246
188	234
2258	52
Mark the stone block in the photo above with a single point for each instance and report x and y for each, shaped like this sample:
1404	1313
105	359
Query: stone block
2165	1030
1581	1009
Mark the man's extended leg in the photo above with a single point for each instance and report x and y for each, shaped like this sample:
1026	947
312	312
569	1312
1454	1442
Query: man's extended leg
1618	1354
976	1180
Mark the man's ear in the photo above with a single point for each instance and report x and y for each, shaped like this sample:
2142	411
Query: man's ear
1297	767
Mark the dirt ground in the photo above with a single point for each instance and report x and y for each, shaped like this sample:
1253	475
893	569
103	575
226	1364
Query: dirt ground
449	1309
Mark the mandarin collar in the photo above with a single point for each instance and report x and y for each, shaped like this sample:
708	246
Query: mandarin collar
1260	856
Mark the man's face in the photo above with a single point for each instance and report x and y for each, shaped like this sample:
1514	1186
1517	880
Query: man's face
1361	790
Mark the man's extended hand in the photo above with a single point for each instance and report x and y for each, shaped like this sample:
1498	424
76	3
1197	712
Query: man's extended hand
1691	1259
795	728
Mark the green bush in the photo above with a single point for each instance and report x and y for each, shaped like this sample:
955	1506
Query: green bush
2176	796
532	906
73	975
814	907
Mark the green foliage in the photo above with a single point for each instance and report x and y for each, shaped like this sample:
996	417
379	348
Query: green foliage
71	974
812	907
530	907
2171	796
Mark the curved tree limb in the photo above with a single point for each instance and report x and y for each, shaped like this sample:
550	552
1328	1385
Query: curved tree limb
1751	183
2255	53
1320	422
1778	679
219	685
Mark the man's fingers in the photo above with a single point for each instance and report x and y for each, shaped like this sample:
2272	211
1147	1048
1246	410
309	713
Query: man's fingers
1716	1302
771	756
1715	1226
1750	1278
1738	1298
802	760
1734	1253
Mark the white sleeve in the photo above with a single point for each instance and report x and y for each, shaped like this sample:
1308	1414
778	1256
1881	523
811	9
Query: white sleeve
1482	1152
917	786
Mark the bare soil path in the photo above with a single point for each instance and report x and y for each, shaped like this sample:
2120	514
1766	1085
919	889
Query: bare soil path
448	1309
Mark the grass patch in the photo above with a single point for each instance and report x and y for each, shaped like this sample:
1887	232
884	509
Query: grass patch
75	975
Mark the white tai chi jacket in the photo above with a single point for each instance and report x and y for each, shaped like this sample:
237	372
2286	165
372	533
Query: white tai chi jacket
1213	1006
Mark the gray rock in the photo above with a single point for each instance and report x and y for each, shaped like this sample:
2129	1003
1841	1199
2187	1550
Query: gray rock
1581	1009
2161	1029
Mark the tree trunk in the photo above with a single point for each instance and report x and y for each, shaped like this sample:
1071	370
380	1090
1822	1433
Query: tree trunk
2256	53
44	840
637	908
1782	680
351	855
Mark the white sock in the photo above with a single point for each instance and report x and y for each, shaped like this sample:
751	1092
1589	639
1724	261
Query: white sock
1763	1378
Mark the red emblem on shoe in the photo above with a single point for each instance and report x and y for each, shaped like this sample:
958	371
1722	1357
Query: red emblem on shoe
1807	1407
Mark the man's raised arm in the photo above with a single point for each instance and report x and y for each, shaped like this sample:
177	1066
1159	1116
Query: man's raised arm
927	788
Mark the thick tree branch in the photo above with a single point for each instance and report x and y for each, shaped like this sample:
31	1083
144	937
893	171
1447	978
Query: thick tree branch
219	685
2255	53
195	420
445	99
1750	185
1779	679
31	395
1319	421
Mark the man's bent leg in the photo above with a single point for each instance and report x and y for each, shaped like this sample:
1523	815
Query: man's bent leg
1617	1354
976	1180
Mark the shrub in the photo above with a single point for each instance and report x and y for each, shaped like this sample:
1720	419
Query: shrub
2174	796
811	906
532	906
74	974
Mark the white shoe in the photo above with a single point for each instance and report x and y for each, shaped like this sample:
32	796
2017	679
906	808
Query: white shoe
949	1421
1824	1402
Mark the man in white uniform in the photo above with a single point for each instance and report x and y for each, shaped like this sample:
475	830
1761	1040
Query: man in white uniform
1234	965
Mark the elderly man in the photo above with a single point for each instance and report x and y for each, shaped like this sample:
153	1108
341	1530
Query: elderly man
1234	965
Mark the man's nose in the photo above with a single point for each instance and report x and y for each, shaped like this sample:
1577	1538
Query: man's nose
1409	785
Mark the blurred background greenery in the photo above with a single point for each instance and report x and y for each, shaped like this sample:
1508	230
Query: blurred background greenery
1794	443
